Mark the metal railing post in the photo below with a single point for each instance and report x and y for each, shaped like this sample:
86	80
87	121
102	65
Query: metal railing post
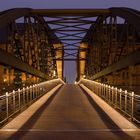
7	104
120	98
99	88
27	94
109	93
33	91
23	90
38	89
14	105
103	90
94	86
132	106
112	91
116	96
19	103
30	91
125	100
106	90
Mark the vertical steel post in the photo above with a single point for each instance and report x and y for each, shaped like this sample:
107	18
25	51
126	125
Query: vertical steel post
106	87
14	105
23	91
38	89
112	91
132	106
99	89
33	91
120	98
103	94
125	100
19	91
30	91
109	93
105	91
116	96
102	91
7	104
94	88
27	94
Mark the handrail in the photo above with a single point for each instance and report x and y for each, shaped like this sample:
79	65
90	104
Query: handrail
15	101
125	102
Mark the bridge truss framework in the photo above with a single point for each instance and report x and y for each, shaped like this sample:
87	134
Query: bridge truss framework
102	41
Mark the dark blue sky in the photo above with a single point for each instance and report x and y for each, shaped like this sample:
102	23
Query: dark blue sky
70	68
5	4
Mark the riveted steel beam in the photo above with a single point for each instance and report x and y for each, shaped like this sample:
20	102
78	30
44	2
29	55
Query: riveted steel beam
10	60
70	12
131	59
130	15
8	16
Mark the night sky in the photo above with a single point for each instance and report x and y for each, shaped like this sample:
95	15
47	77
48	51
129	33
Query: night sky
70	68
51	4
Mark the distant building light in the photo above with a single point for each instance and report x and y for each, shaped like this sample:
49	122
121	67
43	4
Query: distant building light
84	76
4	80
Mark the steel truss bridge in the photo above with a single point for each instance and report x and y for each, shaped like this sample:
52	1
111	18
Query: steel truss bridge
34	46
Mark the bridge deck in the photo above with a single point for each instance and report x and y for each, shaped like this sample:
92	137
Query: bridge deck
68	114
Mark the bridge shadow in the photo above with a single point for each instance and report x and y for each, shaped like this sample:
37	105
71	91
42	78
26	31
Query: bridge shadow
107	120
32	120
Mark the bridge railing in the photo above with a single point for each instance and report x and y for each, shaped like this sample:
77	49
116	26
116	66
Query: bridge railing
125	102
13	102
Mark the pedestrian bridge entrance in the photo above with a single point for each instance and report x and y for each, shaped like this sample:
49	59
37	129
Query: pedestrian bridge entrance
69	112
